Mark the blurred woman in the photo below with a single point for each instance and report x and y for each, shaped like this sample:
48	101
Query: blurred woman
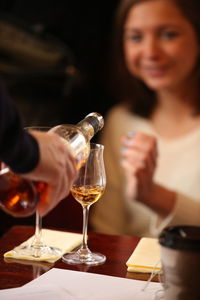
152	138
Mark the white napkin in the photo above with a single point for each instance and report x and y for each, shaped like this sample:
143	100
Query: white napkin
64	241
146	257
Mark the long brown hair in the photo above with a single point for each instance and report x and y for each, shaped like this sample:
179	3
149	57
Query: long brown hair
137	95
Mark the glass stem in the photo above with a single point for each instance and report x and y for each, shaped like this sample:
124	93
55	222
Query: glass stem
37	241
85	226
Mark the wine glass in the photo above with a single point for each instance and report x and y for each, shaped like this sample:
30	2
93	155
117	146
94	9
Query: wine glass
87	189
37	248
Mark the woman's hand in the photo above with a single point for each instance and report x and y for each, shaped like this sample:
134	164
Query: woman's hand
139	155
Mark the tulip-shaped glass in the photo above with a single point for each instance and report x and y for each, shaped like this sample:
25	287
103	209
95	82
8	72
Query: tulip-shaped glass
87	189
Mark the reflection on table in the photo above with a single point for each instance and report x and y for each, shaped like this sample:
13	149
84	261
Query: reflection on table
15	273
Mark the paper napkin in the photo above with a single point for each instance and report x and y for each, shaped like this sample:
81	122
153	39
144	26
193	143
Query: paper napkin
146	257
64	241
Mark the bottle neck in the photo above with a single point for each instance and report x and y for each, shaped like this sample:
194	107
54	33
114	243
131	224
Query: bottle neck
87	129
89	126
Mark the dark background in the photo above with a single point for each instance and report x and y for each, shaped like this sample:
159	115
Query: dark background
85	28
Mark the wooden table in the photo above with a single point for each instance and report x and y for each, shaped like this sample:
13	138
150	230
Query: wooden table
15	273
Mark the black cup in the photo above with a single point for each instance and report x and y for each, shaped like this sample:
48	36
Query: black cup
180	257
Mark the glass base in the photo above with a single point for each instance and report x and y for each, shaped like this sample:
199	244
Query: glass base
159	295
37	251
90	258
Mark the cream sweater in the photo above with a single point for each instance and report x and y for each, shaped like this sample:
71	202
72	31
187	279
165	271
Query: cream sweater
178	169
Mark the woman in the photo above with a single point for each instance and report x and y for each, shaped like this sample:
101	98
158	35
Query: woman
154	180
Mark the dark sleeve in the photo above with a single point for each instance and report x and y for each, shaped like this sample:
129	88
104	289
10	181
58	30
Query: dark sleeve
18	149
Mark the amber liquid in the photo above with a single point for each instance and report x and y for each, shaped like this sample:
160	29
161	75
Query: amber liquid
87	194
19	197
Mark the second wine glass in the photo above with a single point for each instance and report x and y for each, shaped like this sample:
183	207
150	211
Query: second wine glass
37	248
87	189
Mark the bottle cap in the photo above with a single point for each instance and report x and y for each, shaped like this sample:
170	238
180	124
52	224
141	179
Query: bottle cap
96	120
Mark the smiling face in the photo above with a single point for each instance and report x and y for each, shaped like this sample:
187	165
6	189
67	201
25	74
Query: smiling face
160	45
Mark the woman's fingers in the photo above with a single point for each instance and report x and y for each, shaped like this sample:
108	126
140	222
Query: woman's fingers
139	157
140	151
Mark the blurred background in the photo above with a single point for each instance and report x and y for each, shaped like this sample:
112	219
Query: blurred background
54	60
